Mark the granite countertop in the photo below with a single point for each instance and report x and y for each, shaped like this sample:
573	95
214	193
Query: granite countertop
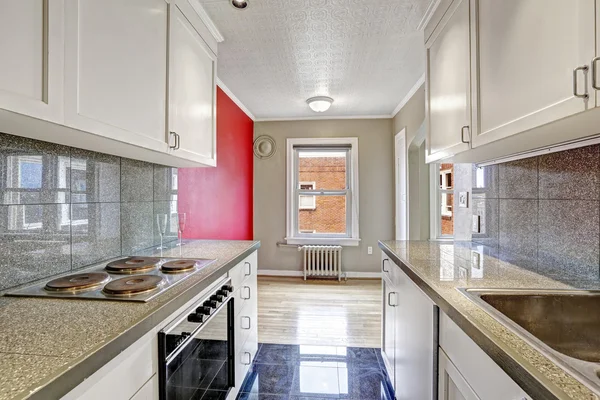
439	268
49	346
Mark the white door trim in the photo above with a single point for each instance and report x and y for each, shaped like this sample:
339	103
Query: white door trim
401	185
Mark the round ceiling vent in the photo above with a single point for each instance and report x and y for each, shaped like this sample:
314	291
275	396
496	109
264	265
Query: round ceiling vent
264	147
239	4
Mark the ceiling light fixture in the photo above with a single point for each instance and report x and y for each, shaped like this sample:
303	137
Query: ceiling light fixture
320	103
239	4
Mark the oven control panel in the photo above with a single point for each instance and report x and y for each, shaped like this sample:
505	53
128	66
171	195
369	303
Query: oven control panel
209	306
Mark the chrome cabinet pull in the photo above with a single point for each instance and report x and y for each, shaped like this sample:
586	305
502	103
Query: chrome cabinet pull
576	93
593	72
249	293
249	358
178	141
383	265
249	269
249	323
462	134
174	145
390	299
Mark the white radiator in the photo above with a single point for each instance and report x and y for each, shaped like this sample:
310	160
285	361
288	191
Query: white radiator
322	261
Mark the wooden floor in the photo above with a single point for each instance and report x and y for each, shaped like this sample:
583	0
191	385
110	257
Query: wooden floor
319	312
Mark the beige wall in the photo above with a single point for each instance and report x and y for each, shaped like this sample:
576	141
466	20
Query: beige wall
376	180
412	116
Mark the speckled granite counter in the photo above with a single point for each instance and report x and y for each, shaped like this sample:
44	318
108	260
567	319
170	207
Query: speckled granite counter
48	346
438	268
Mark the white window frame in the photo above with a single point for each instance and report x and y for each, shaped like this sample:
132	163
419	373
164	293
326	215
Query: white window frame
293	236
435	204
313	199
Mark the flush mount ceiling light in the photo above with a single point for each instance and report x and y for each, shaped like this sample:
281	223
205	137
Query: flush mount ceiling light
320	103
239	4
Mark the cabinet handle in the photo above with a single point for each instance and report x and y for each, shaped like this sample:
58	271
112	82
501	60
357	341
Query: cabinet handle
249	269
178	141
462	134
390	300
249	358
249	293
383	265
593	72
174	145
576	93
249	323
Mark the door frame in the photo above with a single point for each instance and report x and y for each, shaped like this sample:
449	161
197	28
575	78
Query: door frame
401	210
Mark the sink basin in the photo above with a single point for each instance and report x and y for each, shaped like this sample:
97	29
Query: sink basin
562	324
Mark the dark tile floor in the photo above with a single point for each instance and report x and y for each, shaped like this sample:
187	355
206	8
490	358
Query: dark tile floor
292	372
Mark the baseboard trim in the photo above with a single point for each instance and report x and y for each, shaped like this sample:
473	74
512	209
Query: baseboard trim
350	274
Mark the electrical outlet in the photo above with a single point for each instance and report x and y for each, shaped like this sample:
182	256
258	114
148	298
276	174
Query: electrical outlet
370	250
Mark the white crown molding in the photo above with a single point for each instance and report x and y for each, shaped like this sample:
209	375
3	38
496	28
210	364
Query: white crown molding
235	99
410	94
357	275
324	117
428	14
210	25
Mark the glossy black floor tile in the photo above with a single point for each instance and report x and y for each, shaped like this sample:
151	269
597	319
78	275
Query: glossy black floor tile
291	372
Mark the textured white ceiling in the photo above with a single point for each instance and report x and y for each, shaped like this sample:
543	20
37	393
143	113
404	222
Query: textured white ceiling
366	54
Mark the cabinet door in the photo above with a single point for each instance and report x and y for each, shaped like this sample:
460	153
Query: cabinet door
415	347
149	391
31	70
116	70
192	91
452	385
448	84
388	342
526	60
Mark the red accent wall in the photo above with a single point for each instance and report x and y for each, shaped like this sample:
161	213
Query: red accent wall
218	201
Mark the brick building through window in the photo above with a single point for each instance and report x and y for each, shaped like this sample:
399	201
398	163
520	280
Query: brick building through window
446	190
319	213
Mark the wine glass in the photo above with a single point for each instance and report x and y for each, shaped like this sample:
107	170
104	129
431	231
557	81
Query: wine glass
161	222
181	219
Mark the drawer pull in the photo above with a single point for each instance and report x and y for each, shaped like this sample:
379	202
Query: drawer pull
249	322
576	93
390	299
249	293
383	265
249	356
249	269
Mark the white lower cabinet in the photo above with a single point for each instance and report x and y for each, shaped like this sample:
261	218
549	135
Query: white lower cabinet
451	384
408	342
149	391
466	369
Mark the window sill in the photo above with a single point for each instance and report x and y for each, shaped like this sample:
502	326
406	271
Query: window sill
349	242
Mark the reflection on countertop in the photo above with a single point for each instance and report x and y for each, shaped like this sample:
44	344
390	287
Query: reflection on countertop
439	268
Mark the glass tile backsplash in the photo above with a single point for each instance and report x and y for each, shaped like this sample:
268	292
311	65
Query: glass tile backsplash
63	208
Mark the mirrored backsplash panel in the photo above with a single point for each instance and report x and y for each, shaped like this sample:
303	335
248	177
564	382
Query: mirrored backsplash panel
63	208
543	211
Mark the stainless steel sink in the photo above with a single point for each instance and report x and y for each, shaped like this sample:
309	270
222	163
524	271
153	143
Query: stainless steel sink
562	324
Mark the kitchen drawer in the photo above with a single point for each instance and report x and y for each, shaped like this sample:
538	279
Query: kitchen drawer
244	359
246	293
486	378
246	324
243	270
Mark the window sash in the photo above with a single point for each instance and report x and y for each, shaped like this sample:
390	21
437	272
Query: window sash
347	192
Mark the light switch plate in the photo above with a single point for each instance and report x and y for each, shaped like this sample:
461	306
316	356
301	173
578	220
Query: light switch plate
463	199
475	259
369	250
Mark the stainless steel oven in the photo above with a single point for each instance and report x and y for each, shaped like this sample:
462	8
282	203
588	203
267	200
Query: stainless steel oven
195	351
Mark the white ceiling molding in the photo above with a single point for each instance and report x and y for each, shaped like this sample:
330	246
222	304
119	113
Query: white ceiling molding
410	94
324	117
428	14
210	25
235	99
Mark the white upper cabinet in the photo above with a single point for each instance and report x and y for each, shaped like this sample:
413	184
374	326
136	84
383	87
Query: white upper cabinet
116	70
31	69
524	58
448	88
192	89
